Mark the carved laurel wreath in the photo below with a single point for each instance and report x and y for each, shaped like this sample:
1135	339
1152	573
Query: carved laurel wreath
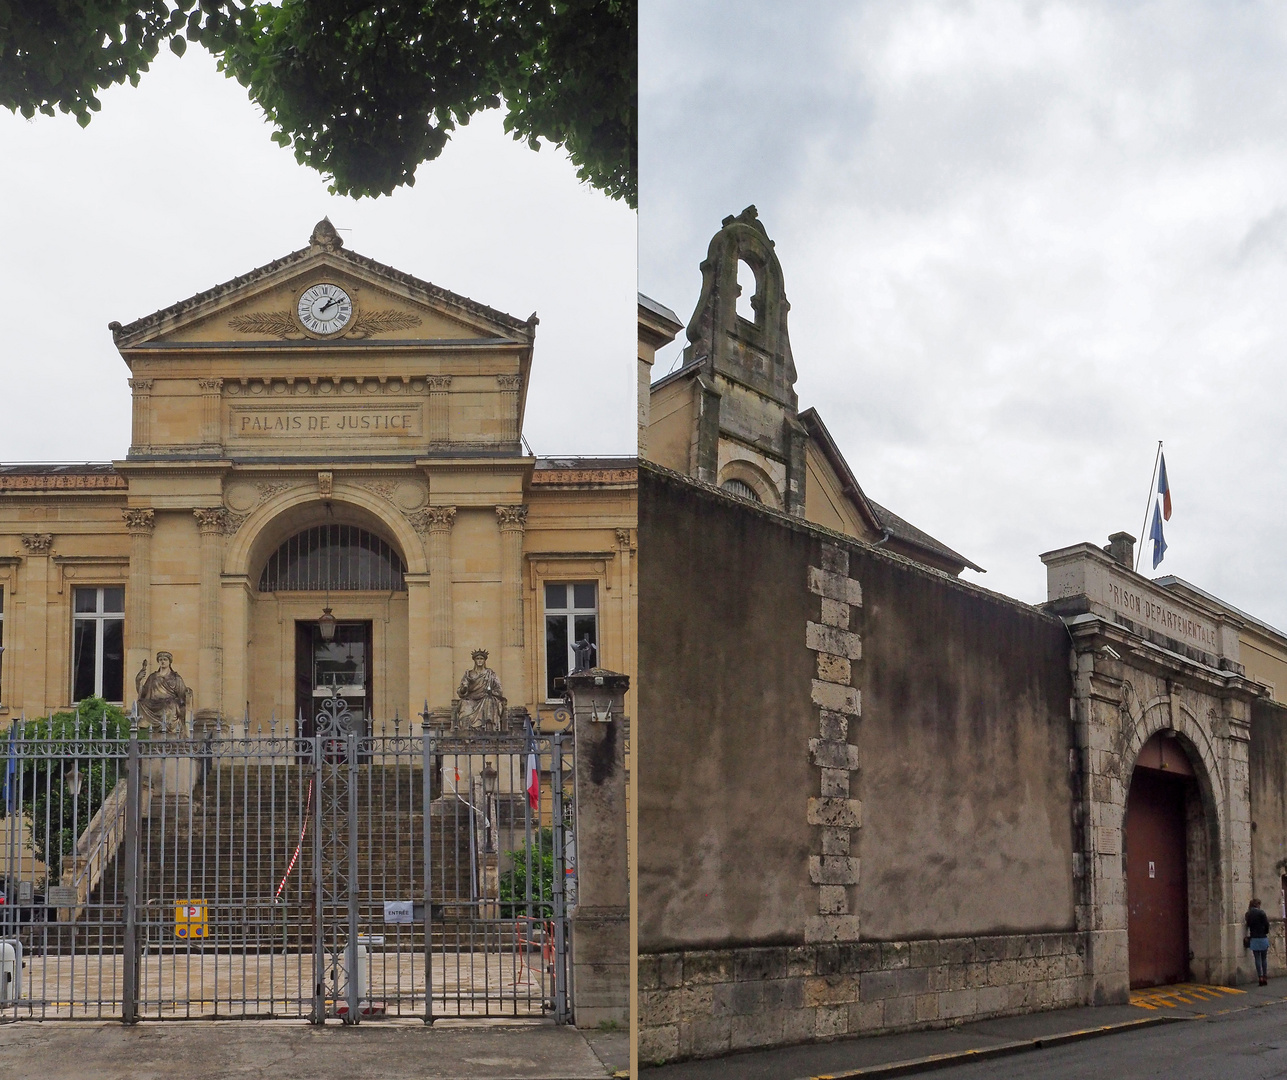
283	324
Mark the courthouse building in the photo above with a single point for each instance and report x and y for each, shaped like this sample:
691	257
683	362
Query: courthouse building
325	488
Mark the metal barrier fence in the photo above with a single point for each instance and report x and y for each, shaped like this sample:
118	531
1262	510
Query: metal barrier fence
267	875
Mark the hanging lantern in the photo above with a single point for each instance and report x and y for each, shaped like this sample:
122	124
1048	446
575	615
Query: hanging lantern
326	624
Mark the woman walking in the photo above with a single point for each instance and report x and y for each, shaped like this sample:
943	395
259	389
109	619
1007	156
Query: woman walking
1257	939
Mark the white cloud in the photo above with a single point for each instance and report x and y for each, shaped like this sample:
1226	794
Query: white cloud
175	187
1022	243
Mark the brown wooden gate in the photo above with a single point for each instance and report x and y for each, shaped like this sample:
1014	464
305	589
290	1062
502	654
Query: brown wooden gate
1157	891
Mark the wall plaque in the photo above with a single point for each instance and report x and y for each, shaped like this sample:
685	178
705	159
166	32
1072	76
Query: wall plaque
254	423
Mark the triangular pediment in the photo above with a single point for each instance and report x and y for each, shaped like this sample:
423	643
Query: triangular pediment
263	306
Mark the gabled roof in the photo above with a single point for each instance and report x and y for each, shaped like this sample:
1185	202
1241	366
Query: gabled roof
325	242
885	520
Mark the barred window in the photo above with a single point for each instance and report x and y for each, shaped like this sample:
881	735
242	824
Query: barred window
337	557
741	489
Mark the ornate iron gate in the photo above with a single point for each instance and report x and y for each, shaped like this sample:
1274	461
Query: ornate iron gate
346	874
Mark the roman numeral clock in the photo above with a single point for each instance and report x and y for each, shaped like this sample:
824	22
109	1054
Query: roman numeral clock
324	309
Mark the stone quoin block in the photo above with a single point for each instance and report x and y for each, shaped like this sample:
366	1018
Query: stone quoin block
835	613
833	726
835	560
834	669
835	841
842	699
833	755
833	900
835	783
822	928
844	813
829	639
833	870
834	586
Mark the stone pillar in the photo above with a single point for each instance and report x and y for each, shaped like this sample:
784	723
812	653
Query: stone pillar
419	624
510	385
435	523
31	672
212	523
601	918
1234	729
439	409
138	592
236	600
836	811
511	520
141	428
211	418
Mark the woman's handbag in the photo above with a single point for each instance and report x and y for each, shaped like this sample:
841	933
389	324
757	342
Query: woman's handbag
1246	941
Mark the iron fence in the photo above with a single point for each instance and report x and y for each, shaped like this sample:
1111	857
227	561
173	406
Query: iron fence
358	872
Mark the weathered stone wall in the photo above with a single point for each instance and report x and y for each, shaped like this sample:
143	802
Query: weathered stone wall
702	1003
840	744
1268	765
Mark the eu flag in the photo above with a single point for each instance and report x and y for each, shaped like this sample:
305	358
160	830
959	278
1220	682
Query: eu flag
1155	534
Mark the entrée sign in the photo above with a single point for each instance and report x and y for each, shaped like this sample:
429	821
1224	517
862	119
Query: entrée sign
251	423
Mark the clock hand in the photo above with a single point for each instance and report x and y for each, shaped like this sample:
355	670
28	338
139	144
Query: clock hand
330	303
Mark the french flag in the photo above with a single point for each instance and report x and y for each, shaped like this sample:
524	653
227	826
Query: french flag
1164	489
533	781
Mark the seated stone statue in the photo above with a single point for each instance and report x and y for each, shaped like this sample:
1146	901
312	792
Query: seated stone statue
163	696
482	703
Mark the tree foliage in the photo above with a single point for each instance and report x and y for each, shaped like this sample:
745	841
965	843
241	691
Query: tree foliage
42	789
362	92
513	882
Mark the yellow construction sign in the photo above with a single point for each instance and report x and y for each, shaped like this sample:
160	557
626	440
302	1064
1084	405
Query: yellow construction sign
190	919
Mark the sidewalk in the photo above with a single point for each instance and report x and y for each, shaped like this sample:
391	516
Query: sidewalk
294	1050
919	1051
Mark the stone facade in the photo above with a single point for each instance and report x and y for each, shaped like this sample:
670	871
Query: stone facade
248	428
704	1003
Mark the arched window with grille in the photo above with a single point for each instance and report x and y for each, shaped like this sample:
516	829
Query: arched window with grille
335	557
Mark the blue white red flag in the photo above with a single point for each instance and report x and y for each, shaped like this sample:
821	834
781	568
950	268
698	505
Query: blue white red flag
1164	489
1155	534
533	782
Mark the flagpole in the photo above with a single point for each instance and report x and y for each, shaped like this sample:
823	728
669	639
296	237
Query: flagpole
1152	484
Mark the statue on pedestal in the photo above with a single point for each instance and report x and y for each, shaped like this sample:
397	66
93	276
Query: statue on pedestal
482	702
163	696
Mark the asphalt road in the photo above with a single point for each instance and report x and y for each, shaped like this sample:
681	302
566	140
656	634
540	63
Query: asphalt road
1249	1043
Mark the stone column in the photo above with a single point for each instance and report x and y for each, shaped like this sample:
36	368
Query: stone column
509	389
141	429
439	409
601	918
512	520
212	523
435	523
1234	729
419	659
32	673
236	593
138	592
211	418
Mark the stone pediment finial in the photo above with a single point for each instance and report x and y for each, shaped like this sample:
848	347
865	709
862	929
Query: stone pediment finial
325	237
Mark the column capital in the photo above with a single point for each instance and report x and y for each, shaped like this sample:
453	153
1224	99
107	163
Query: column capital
212	519
38	543
512	518
139	519
433	519
509	382
210	386
438	382
141	386
624	540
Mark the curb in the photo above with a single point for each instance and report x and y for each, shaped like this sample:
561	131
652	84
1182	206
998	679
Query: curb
961	1057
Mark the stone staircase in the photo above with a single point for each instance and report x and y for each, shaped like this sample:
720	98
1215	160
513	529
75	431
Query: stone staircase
232	843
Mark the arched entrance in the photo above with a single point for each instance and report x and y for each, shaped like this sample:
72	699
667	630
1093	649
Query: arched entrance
1164	852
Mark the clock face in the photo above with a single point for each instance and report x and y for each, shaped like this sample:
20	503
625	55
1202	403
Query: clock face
325	309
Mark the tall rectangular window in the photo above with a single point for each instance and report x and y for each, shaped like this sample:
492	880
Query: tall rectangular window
571	614
98	643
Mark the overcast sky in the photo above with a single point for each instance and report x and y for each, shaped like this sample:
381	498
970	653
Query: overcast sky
175	187
1022	243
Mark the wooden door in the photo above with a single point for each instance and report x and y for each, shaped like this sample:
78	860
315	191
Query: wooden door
1157	892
